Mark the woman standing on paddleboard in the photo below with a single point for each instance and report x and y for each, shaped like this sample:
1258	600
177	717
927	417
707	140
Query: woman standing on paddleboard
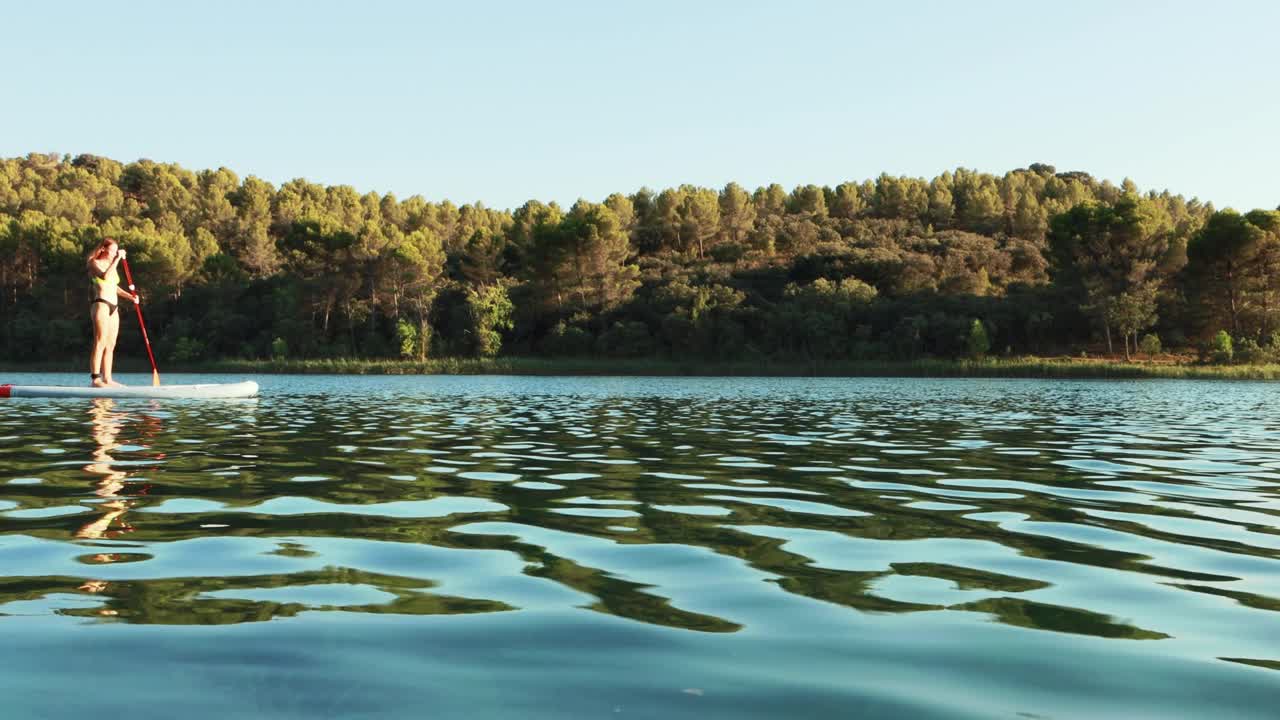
107	294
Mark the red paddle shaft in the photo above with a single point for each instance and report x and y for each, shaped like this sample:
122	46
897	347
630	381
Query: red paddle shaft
128	276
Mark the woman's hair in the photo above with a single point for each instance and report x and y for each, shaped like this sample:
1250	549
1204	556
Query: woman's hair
101	251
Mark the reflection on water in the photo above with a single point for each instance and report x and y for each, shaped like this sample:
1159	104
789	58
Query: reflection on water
751	547
109	482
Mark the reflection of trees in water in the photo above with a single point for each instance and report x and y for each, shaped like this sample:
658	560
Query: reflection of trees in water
889	521
1042	616
614	596
568	437
186	601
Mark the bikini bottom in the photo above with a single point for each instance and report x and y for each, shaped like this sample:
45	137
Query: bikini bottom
108	303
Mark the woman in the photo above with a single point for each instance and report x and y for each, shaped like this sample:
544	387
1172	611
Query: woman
103	309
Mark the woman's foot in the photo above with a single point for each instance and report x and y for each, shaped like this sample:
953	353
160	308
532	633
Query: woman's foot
98	382
113	383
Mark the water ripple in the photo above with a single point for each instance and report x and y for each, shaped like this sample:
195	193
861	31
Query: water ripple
681	548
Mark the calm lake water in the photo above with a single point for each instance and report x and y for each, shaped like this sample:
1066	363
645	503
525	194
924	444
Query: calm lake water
496	547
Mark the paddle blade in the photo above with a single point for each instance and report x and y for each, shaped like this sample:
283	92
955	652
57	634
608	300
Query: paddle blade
155	378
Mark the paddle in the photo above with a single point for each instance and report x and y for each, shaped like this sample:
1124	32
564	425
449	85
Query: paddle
128	276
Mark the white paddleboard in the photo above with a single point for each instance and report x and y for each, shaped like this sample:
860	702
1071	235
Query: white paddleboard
225	390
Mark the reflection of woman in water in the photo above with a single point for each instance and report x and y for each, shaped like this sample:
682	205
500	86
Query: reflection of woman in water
110	483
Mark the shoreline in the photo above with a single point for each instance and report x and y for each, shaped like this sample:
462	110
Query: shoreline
1029	367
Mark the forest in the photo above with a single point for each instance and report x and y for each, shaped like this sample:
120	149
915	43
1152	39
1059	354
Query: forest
966	264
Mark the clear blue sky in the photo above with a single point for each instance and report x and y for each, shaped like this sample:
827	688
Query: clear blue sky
506	101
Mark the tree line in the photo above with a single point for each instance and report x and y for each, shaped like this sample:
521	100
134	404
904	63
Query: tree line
967	263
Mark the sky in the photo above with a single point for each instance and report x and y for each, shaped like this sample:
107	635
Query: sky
502	102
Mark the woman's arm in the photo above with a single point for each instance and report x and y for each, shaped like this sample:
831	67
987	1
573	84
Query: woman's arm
134	297
102	267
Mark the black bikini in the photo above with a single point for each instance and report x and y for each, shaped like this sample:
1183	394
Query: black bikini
108	303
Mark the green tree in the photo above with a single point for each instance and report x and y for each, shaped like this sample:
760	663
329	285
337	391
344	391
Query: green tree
624	209
584	259
250	241
1150	345
1133	311
737	213
901	197
1029	219
978	343
770	201
848	203
1221	348
1102	252
415	265
699	217
329	270
525	221
490	311
808	199
670	220
1223	267
942	207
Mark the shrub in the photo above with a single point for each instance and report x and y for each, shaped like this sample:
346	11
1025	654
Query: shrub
1221	350
490	311
406	336
186	350
677	330
626	339
1249	352
727	253
907	337
568	340
978	343
1150	344
63	338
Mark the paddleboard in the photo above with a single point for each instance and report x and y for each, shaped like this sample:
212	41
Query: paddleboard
223	390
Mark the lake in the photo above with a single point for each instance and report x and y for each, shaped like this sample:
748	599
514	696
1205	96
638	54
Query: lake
524	547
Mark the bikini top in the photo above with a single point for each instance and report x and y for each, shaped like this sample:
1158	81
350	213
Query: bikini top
110	280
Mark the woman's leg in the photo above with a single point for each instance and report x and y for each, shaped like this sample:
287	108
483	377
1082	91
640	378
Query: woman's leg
99	314
108	354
